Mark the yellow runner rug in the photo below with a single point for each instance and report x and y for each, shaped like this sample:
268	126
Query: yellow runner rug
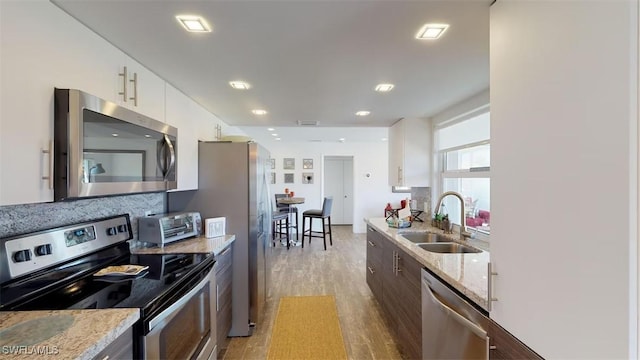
307	327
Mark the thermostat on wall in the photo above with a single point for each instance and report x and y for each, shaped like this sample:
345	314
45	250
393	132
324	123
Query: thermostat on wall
214	227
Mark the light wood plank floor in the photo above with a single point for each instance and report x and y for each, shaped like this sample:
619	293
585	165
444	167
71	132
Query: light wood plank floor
339	271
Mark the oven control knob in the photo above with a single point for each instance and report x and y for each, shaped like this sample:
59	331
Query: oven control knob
122	228
22	255
43	250
112	231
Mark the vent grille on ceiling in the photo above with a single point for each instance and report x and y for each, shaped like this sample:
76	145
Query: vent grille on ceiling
307	123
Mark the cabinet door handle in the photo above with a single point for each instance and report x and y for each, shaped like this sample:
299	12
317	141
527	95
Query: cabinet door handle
50	152
135	89
398	270
372	244
370	270
224	251
217	298
490	275
124	84
400	175
394	261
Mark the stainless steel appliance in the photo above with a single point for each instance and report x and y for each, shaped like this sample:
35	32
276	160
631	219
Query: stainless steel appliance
165	228
101	148
452	327
232	183
54	269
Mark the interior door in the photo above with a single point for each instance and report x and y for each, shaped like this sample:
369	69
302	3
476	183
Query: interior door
338	180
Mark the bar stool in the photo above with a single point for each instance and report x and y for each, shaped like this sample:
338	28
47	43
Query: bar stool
325	213
288	209
276	226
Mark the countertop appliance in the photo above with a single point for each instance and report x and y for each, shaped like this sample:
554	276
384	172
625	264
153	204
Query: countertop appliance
452	326
165	228
54	270
232	182
101	149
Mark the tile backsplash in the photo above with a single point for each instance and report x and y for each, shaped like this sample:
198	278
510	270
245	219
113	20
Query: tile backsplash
21	219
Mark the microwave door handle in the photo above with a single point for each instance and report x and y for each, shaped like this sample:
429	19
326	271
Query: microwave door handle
172	152
160	158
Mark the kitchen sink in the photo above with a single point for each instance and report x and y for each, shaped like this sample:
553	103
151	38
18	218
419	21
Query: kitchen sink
450	247
424	237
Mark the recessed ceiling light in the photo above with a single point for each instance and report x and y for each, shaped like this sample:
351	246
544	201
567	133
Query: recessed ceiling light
431	31
147	136
259	112
384	87
274	134
270	129
193	23
114	134
363	113
341	139
277	139
384	139
240	85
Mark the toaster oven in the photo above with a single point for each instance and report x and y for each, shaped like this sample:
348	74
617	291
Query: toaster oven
165	228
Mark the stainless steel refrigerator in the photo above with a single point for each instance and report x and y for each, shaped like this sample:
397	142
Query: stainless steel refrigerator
232	182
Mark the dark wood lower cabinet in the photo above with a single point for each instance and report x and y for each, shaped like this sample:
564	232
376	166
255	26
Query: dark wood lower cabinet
505	346
120	348
223	271
395	283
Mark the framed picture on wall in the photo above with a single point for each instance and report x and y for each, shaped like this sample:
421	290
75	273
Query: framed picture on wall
288	178
307	178
273	178
289	163
307	163
273	163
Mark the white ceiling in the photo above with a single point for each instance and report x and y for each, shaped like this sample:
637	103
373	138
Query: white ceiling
306	60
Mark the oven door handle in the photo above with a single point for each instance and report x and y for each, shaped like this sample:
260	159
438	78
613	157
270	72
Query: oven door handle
171	311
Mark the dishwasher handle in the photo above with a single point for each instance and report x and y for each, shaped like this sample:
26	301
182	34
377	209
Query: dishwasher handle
480	332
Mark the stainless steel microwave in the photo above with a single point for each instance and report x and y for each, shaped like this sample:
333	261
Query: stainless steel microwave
101	148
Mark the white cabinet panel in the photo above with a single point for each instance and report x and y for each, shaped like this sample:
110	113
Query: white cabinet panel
410	152
51	50
182	115
562	110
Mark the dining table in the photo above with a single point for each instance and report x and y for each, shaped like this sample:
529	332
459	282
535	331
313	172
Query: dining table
290	201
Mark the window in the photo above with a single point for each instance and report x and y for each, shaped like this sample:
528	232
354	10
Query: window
464	157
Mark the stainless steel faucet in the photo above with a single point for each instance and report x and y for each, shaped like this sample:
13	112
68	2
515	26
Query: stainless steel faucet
463	229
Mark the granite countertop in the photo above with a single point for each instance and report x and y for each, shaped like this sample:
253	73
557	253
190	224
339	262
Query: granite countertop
465	272
198	245
61	334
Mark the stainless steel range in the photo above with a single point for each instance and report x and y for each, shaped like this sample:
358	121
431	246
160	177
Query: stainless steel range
54	270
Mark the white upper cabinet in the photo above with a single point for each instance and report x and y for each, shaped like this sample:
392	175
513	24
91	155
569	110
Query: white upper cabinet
51	50
410	152
181	114
144	89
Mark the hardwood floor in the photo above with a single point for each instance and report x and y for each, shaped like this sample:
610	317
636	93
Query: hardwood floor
339	271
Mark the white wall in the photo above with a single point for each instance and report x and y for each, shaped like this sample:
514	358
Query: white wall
371	194
564	117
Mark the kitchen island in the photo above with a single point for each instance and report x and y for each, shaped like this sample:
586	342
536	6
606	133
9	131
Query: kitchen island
466	272
62	334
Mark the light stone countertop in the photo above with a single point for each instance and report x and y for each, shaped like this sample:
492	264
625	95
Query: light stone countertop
198	245
467	273
62	334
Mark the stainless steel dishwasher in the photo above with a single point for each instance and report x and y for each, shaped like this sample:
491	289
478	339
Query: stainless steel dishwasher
452	328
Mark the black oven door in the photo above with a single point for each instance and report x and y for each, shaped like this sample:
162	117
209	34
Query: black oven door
187	328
